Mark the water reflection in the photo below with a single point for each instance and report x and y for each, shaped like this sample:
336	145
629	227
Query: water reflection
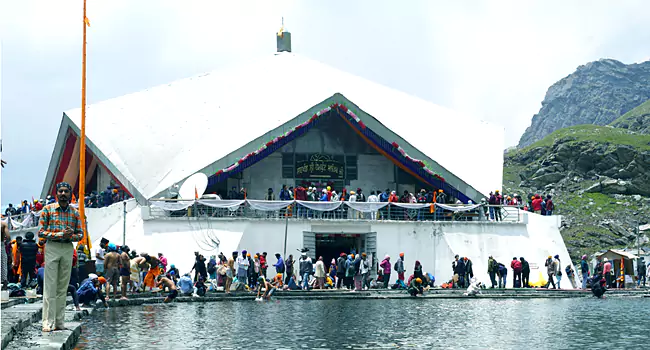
374	324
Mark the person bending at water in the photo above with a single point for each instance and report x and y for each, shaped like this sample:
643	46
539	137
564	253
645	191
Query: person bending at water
598	285
269	289
164	282
154	271
111	267
137	264
90	290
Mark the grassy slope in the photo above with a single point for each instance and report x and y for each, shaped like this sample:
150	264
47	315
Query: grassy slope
595	133
642	109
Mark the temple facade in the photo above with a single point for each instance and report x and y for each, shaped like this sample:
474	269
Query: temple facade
289	120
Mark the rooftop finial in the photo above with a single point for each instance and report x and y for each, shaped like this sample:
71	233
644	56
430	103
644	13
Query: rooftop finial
281	31
283	39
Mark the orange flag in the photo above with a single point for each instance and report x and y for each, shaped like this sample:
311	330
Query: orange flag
87	21
74	199
196	193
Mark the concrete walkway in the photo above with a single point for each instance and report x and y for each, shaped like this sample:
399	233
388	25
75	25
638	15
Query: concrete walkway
21	317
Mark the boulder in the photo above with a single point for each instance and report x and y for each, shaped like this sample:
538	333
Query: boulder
611	186
543	180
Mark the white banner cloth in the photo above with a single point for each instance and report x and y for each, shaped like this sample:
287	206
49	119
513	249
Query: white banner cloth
172	206
231	204
320	206
268	205
366	207
455	208
411	205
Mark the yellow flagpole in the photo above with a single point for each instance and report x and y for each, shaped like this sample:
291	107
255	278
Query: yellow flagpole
82	156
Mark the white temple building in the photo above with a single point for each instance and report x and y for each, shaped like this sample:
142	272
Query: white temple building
289	120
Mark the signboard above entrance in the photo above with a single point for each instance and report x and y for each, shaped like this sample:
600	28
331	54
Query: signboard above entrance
320	166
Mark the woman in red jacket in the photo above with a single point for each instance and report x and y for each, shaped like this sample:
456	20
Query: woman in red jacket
537	204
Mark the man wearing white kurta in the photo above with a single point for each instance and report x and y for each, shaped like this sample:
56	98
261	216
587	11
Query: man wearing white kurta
60	226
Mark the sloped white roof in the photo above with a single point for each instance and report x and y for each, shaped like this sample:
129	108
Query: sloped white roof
162	135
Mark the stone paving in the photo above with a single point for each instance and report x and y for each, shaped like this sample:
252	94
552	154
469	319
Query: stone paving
21	317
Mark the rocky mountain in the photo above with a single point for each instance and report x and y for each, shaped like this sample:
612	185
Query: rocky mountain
599	177
596	93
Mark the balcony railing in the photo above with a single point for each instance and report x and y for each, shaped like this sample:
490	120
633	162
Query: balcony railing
306	210
22	220
30	220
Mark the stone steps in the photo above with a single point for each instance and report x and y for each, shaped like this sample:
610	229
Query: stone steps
20	314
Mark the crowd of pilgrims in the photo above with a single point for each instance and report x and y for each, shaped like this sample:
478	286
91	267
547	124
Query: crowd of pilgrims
249	271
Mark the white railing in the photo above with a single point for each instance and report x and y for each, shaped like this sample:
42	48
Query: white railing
260	209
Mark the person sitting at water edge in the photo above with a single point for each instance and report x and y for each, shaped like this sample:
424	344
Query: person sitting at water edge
293	284
415	287
277	280
474	288
200	288
185	284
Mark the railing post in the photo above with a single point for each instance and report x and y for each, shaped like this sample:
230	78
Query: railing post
124	225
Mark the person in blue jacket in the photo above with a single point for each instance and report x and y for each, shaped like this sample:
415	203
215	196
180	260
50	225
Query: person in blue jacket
185	284
279	265
503	274
90	291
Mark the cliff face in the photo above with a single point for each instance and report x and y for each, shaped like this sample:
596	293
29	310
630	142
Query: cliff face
596	93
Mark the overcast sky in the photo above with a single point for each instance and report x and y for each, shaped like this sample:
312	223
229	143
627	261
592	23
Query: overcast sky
490	59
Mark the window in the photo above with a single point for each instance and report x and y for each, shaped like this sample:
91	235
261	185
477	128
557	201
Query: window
287	165
351	168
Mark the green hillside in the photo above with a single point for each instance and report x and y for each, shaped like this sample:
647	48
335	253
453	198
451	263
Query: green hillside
637	120
593	133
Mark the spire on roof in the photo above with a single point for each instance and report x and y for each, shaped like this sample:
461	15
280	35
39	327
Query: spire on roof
283	39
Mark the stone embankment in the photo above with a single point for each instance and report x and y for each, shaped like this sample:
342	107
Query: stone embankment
21	317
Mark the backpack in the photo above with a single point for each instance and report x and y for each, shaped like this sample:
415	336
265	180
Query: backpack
350	269
212	268
395	266
15	290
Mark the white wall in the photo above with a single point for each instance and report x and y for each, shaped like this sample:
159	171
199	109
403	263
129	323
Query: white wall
375	172
101	220
433	243
263	175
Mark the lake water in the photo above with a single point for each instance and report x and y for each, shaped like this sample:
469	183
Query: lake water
588	323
